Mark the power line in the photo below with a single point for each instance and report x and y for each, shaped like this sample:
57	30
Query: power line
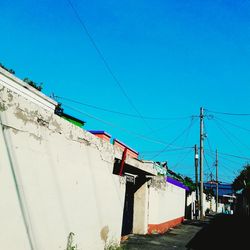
120	113
230	133
226	135
176	138
212	155
221	164
236	156
103	59
208	167
182	159
119	127
233	124
169	150
227	113
207	139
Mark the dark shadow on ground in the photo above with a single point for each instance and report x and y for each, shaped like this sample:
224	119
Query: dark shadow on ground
223	232
197	223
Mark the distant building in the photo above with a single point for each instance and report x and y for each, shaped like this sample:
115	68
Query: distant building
225	194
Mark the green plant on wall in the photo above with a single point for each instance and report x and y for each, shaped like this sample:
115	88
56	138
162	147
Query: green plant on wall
9	70
33	84
70	242
113	246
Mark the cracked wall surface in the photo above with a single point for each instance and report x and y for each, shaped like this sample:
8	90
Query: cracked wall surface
64	175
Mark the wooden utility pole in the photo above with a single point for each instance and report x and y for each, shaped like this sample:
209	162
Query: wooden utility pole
196	163
217	184
201	161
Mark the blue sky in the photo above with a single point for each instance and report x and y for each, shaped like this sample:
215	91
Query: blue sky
170	58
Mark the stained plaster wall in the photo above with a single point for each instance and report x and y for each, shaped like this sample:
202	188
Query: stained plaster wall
55	178
166	202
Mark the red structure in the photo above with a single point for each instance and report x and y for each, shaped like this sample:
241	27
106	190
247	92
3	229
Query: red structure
101	134
130	151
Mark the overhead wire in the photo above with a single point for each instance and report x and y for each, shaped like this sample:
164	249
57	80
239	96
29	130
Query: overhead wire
169	150
227	113
118	112
220	162
119	127
176	138
230	133
233	124
103	59
236	156
226	135
212	155
207	138
148	153
182	159
208	166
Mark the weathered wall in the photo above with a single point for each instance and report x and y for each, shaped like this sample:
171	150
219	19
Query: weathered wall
166	206
55	178
140	225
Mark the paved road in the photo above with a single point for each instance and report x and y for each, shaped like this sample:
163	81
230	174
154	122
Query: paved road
175	238
215	232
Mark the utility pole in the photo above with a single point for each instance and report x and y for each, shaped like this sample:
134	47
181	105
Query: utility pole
196	163
201	161
217	184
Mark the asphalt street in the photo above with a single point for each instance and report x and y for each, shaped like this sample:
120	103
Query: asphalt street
175	238
214	232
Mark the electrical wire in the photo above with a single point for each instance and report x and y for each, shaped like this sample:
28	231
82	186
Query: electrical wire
118	127
207	139
226	135
176	138
120	113
170	150
227	113
208	167
237	156
182	159
230	133
233	124
103	59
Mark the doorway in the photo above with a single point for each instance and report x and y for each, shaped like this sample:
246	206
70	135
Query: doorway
128	210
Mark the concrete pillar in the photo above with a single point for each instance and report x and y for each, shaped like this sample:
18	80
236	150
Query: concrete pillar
140	220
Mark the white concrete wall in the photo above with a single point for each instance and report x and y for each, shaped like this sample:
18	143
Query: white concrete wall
213	204
166	204
140	220
221	207
191	201
55	178
22	88
209	204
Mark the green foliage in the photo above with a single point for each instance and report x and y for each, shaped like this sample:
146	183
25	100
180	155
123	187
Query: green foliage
33	84
184	179
113	246
9	70
70	244
243	179
189	183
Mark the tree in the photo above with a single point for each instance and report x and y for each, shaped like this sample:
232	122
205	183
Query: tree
243	179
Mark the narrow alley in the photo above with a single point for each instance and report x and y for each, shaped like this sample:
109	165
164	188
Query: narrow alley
215	232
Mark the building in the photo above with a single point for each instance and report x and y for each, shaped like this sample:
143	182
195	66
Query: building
59	180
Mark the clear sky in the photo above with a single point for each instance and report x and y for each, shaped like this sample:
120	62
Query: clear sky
164	59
